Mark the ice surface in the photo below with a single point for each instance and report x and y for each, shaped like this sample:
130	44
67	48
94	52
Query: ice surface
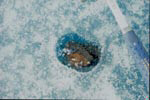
29	30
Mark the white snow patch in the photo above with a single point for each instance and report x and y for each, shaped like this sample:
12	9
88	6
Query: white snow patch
7	51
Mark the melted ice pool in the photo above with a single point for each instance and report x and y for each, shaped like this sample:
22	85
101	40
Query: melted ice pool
29	68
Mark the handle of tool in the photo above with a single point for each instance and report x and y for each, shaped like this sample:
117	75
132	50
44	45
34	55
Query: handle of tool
134	44
139	53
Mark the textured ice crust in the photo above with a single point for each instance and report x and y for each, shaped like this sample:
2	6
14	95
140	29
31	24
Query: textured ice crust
29	30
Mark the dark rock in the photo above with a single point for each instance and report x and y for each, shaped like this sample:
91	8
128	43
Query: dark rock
78	53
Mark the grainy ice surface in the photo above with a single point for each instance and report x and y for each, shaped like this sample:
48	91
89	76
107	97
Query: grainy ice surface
29	68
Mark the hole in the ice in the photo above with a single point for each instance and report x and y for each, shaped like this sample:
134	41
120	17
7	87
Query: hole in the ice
78	53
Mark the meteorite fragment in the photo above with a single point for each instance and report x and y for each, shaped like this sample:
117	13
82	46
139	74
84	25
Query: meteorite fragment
77	53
